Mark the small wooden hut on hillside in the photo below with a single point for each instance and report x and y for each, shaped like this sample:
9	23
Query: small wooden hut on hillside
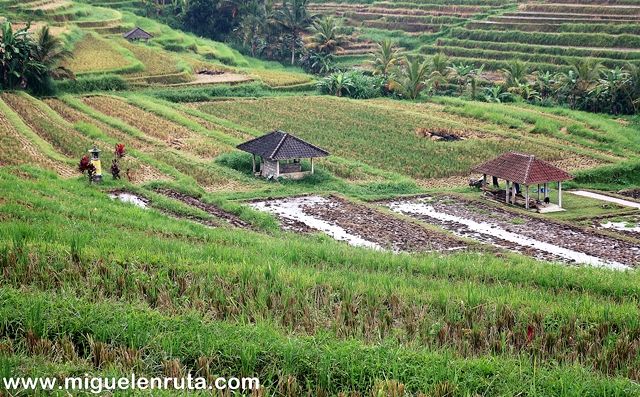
519	169
137	34
278	154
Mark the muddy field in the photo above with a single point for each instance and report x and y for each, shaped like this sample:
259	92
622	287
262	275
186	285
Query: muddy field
220	217
540	238
366	226
632	193
211	209
628	225
358	225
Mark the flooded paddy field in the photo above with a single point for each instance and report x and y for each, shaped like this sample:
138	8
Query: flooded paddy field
544	239
627	225
357	224
500	228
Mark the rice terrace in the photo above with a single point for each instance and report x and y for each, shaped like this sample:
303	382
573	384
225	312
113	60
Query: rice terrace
349	198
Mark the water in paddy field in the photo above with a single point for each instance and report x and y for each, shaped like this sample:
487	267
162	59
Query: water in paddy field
293	208
484	231
622	226
129	198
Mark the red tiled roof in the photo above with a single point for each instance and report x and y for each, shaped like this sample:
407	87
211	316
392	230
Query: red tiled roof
523	168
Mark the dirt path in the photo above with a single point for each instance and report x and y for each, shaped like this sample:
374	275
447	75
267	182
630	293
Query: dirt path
603	197
358	225
541	238
211	209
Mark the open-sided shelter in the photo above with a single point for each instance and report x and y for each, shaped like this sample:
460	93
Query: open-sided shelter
278	154
525	170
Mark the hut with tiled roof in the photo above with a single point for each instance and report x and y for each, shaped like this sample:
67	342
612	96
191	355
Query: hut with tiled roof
137	33
279	154
519	169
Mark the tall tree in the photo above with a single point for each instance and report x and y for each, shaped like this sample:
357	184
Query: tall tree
326	35
50	52
294	18
411	78
385	58
253	23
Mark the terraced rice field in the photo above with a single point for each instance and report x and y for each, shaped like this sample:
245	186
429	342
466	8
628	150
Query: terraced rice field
549	35
412	22
17	149
159	65
347	128
93	54
173	135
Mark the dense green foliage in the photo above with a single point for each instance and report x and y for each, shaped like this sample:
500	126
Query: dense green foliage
30	63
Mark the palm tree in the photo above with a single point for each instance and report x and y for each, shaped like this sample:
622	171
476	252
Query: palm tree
294	18
614	89
439	70
515	73
50	52
321	63
252	25
326	35
385	58
581	79
410	79
587	71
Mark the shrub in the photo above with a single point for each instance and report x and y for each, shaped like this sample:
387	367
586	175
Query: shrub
352	84
236	161
107	82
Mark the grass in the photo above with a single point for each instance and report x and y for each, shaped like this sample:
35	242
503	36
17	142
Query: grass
383	307
348	128
94	285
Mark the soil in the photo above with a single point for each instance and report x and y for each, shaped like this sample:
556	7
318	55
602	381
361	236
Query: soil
581	240
211	209
633	193
144	202
384	230
361	222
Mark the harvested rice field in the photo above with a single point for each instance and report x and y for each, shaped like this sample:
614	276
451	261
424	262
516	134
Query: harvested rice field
364	249
357	224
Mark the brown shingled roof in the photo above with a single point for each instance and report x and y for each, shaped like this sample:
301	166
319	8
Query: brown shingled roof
523	168
279	145
137	33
